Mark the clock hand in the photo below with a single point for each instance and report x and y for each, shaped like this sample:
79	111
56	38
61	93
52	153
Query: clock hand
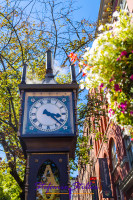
52	115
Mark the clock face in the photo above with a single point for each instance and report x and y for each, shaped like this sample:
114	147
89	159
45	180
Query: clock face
48	114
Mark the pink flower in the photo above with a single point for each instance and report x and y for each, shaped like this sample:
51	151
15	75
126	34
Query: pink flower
101	85
131	77
119	106
131	112
111	79
123	53
117	88
132	51
118	58
124	105
131	139
111	112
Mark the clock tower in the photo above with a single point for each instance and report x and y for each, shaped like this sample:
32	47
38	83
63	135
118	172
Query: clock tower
48	134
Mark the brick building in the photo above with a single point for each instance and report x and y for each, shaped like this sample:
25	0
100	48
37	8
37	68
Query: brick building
119	154
118	150
108	6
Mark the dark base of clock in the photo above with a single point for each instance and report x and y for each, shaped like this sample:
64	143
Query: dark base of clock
41	145
34	164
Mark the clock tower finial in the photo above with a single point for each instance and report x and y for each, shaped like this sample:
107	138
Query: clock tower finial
23	81
49	78
73	74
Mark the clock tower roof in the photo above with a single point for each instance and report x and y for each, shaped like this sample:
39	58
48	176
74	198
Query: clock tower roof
49	77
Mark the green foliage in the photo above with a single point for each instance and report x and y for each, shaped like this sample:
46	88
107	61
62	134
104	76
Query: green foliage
9	189
83	152
63	78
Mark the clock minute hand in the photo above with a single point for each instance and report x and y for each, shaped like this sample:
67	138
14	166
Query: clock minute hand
52	115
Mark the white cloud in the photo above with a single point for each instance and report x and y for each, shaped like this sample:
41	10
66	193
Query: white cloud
57	68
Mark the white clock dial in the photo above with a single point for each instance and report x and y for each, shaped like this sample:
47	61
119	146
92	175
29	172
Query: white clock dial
48	114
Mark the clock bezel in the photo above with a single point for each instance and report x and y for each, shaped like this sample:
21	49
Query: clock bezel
58	132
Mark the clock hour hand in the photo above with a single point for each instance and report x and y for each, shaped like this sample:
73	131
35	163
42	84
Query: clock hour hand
52	115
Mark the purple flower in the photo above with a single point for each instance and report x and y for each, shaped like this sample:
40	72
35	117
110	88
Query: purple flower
131	77
123	53
117	88
132	51
101	85
105	89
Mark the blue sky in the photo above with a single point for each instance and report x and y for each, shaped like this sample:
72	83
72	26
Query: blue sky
89	9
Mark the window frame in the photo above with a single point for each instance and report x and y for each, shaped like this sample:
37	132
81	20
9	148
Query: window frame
129	150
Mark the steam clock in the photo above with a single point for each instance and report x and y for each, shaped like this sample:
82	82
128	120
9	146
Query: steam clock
48	134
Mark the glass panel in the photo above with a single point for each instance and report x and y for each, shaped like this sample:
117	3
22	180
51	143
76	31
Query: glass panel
48	182
132	147
113	154
128	141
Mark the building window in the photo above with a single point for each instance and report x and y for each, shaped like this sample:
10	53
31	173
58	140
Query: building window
118	192
113	154
90	146
129	148
91	141
87	132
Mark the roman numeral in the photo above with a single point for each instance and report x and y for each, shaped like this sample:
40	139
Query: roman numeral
56	102
41	102
61	107
63	113
61	120
40	125
35	107
33	114
34	120
48	127
49	101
